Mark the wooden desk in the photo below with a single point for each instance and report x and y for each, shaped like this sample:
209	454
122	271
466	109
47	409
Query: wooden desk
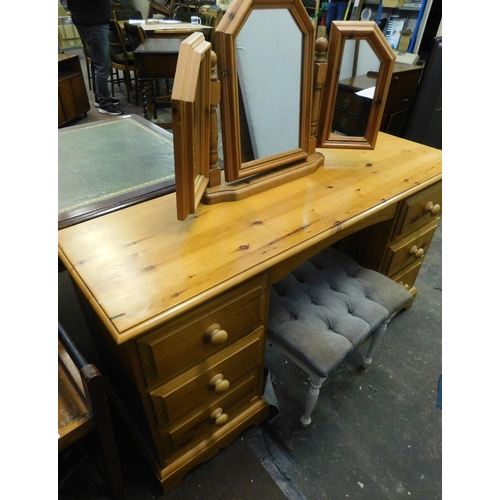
155	59
175	304
159	29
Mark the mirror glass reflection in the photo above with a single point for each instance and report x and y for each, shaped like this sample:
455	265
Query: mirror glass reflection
357	82
269	83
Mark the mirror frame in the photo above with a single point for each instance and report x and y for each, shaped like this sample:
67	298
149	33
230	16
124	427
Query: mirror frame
339	33
226	33
191	128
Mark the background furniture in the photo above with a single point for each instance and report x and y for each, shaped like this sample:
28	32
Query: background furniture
122	59
83	407
402	93
425	123
72	94
351	110
155	59
178	308
125	15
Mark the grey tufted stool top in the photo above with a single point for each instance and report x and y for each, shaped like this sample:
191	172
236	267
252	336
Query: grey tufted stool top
327	306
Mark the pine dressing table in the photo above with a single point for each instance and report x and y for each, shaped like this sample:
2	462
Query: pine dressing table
178	309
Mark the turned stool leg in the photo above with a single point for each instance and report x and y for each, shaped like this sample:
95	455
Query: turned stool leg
312	397
376	338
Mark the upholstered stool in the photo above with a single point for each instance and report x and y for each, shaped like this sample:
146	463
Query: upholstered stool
327	307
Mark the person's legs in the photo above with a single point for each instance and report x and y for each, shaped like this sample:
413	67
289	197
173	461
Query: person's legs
97	40
341	8
330	16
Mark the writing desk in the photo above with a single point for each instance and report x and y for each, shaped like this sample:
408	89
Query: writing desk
178	310
93	179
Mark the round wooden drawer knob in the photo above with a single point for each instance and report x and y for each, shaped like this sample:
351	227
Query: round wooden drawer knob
433	209
218	417
416	252
219	384
216	336
406	287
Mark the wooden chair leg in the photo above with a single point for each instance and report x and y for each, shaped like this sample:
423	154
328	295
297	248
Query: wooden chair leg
312	397
96	388
375	341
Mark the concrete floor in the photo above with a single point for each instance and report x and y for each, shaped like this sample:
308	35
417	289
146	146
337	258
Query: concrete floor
375	434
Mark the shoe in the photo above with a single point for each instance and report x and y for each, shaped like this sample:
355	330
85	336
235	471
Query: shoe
113	100
110	110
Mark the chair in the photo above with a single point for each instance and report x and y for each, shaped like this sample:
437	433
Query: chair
125	15
122	60
208	20
83	408
135	34
164	8
327	307
88	62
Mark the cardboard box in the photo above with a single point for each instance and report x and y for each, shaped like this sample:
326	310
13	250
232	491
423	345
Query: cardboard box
404	40
393	3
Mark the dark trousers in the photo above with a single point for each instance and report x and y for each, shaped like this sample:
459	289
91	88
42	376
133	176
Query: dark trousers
97	40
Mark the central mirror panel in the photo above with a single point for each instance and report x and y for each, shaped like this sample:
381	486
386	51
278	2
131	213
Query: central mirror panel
269	118
265	55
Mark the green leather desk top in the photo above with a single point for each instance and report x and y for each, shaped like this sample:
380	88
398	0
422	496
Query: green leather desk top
112	163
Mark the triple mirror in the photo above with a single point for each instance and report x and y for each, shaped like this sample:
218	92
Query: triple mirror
360	64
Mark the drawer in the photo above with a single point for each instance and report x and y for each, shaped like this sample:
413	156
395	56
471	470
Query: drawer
349	123
402	91
410	249
213	415
407	276
183	343
210	381
347	100
418	210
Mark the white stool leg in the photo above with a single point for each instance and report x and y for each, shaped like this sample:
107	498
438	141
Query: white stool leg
312	397
376	338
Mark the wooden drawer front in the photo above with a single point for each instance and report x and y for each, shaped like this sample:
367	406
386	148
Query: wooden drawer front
184	343
347	100
196	386
202	422
408	275
418	210
402	91
349	123
410	249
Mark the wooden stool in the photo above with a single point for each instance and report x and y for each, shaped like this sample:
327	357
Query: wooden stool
327	307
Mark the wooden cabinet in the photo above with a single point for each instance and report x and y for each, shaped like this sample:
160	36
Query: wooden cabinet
73	100
351	112
199	378
397	247
402	93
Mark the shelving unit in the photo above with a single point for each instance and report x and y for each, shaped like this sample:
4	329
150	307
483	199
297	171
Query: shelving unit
413	13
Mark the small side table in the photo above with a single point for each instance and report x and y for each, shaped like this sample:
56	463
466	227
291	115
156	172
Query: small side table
73	98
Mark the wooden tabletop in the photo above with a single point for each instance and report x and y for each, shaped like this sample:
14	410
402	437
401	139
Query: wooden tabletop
140	266
175	27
